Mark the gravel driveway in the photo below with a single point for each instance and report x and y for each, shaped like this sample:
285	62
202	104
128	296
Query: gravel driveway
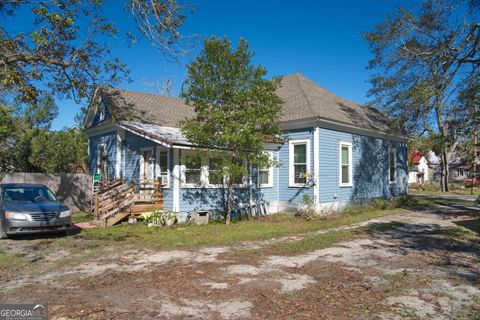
421	264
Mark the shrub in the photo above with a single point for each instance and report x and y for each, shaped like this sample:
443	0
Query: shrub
405	202
306	208
380	204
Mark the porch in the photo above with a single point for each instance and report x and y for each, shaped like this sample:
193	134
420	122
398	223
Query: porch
115	200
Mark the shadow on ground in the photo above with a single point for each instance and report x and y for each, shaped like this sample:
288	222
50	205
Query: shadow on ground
73	230
453	249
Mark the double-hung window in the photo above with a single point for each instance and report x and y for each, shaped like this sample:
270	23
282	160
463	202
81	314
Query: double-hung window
265	175
162	167
345	164
215	172
392	166
239	180
192	171
299	158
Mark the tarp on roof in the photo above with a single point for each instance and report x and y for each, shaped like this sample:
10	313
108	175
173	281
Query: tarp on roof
168	136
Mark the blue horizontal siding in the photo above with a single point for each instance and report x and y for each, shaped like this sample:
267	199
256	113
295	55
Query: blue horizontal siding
370	171
131	158
266	194
370	167
110	141
131	155
211	198
293	195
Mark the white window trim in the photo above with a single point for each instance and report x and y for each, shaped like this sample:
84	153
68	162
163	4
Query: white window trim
270	174
350	167
204	180
102	110
213	185
394	181
244	183
291	171
99	161
158	149
203	170
142	161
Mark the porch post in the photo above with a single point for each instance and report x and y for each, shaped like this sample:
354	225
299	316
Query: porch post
118	160
176	180
316	168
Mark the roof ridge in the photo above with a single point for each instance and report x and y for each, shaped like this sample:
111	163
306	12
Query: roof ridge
297	76
143	92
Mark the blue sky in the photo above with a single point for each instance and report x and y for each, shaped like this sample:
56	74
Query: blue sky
320	39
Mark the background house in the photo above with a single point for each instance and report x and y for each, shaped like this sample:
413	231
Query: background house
418	171
335	151
459	170
423	168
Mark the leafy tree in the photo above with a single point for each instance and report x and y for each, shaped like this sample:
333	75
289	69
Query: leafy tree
59	151
422	56
27	145
236	108
62	51
40	114
65	51
8	129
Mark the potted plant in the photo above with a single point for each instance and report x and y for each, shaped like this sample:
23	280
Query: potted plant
169	218
153	218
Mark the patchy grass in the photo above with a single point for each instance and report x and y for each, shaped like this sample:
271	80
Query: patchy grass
466	191
319	241
471	310
193	236
8	259
9	263
444	202
81	217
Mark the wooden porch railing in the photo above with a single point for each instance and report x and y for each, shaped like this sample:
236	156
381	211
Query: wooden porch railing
115	200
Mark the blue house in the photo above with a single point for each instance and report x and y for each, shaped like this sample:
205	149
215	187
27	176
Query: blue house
333	150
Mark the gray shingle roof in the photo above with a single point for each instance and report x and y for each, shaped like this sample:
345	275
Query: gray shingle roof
146	107
303	99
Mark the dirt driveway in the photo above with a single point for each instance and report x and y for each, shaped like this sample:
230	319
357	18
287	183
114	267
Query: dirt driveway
421	264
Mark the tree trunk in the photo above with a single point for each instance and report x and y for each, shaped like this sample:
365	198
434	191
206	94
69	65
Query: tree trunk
229	202
444	168
444	154
474	164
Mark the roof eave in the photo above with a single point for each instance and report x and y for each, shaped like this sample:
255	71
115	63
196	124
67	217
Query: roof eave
325	123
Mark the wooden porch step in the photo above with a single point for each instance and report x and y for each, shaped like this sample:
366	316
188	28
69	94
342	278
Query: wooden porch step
117	218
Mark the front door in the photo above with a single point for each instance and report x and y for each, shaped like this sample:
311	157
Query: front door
148	165
102	154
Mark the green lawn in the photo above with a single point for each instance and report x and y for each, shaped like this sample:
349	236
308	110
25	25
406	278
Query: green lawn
217	234
81	217
214	234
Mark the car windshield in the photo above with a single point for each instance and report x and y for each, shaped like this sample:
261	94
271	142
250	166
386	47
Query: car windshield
29	194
